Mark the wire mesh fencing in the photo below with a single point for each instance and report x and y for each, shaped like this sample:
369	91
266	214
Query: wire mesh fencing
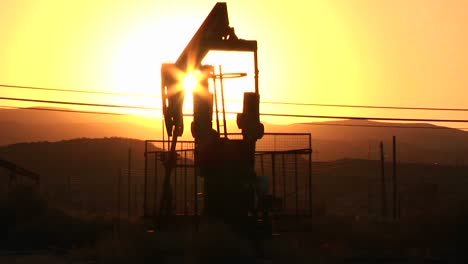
282	160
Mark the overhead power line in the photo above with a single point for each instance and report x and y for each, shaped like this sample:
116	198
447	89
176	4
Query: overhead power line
370	118
78	103
62	110
76	91
311	124
262	114
262	102
383	126
370	106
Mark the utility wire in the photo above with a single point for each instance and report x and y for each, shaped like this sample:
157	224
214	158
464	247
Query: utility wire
382	126
62	110
76	91
78	103
311	124
369	106
262	114
369	118
262	102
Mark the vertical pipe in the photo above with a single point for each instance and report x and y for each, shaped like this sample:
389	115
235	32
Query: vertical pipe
215	93
155	183
395	185
119	184
283	168
163	134
384	188
145	184
222	100
174	193
310	174
296	184
195	189
256	71
135	198
185	183
273	175
369	198
68	187
129	168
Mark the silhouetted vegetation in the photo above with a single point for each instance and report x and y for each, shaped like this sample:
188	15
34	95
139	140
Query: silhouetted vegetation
346	224
28	222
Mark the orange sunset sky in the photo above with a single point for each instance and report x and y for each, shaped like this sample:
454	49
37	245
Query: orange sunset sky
360	52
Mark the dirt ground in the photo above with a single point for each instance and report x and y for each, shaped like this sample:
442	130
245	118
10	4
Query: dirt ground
36	258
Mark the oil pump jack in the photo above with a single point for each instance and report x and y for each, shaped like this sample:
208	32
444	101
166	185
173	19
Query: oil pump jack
227	165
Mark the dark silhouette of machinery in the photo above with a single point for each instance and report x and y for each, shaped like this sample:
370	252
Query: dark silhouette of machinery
227	165
16	170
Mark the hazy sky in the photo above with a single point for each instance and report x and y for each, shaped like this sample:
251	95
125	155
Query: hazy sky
368	52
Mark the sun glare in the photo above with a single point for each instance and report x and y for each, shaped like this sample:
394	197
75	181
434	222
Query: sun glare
135	65
190	82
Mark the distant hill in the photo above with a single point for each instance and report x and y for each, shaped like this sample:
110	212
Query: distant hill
25	125
331	140
360	139
83	157
84	173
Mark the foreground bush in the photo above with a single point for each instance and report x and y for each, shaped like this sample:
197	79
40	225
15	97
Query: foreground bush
28	222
